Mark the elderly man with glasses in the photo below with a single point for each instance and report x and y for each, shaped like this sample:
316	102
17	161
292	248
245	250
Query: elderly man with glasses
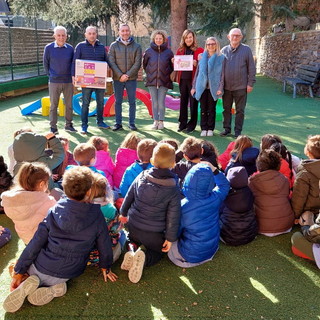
238	79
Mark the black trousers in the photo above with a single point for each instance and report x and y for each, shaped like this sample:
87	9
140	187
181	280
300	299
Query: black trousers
240	99
185	87
152	241
208	111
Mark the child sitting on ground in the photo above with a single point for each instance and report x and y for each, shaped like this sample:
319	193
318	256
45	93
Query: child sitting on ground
243	154
152	206
237	218
31	147
192	151
305	195
307	244
225	156
12	160
5	179
271	195
27	204
104	161
5	236
271	141
126	155
60	248
85	155
210	153
144	149
205	188
102	194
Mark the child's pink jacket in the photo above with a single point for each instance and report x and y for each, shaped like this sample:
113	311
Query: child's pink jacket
124	158
26	209
105	163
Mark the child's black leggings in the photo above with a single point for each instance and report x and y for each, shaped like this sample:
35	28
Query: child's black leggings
152	241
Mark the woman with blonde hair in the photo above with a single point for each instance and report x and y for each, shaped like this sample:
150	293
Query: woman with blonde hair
207	85
158	67
188	46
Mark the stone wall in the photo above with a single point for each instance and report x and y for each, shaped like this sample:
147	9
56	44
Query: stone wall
24	45
281	53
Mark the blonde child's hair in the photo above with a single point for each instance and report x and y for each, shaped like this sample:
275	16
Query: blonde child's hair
76	182
101	188
83	153
31	174
313	146
173	142
145	149
100	143
130	141
163	156
242	142
191	147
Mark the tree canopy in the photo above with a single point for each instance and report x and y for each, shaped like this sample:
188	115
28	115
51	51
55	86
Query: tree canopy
205	16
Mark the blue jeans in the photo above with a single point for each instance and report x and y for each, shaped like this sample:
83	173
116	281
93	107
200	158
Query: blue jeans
158	96
86	98
130	86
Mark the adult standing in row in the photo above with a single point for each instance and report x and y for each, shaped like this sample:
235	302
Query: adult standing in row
208	86
188	46
239	77
91	49
125	61
57	60
158	66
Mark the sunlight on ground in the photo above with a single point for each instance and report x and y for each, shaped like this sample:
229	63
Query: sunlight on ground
186	281
157	314
261	288
315	278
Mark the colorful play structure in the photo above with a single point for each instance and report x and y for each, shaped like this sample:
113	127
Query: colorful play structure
172	102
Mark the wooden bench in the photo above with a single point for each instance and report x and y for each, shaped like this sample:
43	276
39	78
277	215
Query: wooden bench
306	75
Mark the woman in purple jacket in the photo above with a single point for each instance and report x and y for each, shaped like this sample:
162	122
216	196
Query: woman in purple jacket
158	67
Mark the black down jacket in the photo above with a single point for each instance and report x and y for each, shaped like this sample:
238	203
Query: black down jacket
237	218
158	66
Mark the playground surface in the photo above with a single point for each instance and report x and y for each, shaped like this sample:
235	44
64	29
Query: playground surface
262	280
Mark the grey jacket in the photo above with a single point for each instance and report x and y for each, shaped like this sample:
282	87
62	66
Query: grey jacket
125	59
239	68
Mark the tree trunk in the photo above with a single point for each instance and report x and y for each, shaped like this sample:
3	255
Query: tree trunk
178	21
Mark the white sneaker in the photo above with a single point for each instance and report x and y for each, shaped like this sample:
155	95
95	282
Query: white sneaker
155	125
135	272
44	295
203	133
15	299
127	261
210	133
160	125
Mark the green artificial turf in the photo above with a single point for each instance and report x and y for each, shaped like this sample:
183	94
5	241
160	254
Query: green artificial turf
262	280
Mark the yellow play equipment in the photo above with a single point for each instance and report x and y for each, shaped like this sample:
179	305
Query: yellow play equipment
45	106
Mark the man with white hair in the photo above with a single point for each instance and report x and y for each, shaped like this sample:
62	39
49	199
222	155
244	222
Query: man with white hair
57	60
238	78
91	49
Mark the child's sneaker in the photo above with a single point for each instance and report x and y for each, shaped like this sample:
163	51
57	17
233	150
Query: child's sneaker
136	270
127	261
44	295
15	299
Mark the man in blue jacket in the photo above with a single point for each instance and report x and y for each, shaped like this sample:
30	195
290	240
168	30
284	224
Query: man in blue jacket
91	49
57	60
